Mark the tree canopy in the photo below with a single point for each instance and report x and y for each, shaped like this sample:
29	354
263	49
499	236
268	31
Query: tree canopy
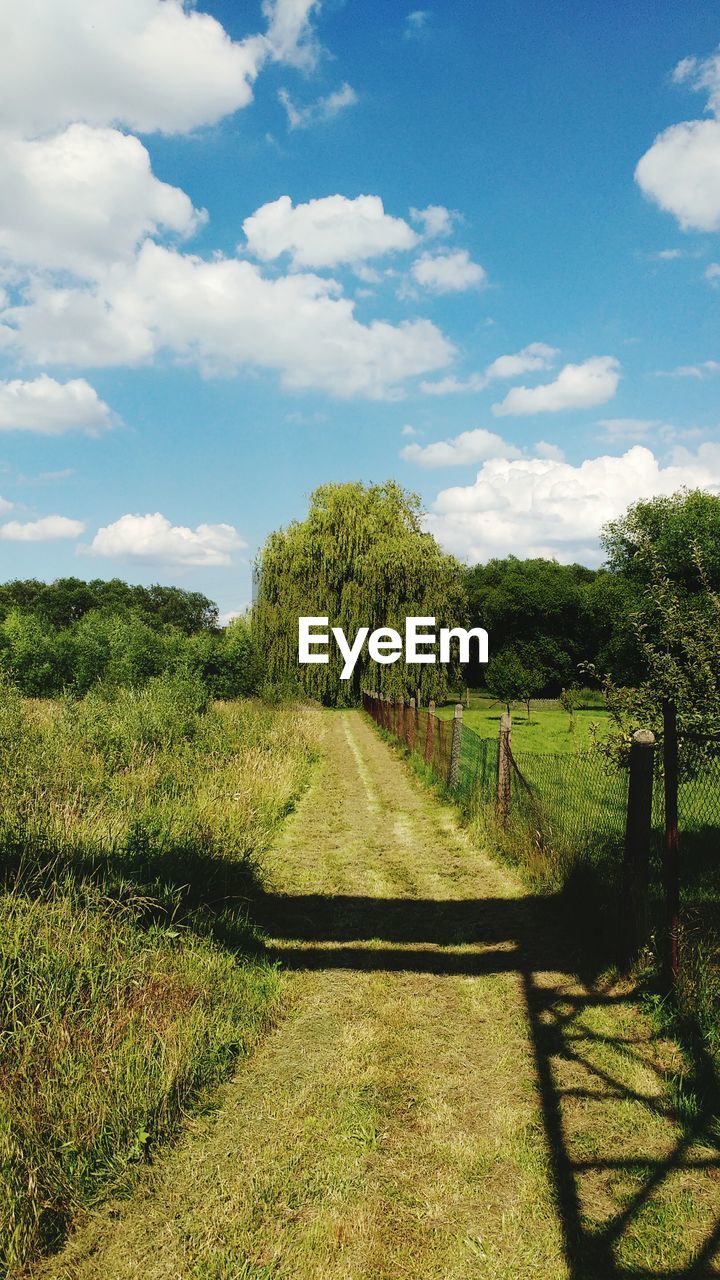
69	635
360	558
683	531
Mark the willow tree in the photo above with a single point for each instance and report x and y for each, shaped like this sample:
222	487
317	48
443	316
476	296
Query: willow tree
361	559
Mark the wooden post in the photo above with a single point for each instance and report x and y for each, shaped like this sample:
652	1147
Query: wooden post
411	725
636	864
503	779
671	864
400	718
430	733
454	770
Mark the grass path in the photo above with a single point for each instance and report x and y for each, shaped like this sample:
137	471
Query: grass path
441	1099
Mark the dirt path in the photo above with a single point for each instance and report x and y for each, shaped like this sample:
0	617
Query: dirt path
441	1100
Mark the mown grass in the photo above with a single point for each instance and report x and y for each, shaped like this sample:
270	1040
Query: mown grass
565	835
548	730
132	826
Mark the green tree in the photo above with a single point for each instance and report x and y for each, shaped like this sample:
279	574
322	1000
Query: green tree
552	602
683	531
514	677
667	550
30	654
360	558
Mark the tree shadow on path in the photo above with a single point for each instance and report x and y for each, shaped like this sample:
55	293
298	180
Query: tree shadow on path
588	1049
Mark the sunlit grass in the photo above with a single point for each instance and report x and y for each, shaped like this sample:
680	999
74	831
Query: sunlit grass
131	828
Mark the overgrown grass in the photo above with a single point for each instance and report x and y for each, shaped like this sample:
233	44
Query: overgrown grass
132	826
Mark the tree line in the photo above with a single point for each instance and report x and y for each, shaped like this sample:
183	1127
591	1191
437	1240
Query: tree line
68	636
363	558
647	618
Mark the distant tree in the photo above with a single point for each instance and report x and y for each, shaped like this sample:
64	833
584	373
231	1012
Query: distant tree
360	558
65	601
241	668
31	655
514	599
20	594
510	678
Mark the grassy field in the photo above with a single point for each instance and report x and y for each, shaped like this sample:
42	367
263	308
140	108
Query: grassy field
443	1099
131	826
566	834
548	730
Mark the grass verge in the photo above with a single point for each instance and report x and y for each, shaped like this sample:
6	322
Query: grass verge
131	830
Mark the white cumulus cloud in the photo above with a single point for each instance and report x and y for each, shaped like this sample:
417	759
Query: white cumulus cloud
702	74
83	199
537	355
681	173
152	539
435	220
468	447
577	386
544	507
151	65
289	33
51	408
681	170
327	231
47	529
225	315
448	272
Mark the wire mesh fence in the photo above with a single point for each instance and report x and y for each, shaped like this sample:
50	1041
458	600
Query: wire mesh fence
571	820
567	810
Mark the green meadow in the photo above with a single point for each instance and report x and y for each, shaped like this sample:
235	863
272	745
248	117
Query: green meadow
548	729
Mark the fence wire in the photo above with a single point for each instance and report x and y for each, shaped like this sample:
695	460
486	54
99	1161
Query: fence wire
573	804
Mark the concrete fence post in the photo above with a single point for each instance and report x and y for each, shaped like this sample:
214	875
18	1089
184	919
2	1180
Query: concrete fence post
638	826
503	778
430	733
454	769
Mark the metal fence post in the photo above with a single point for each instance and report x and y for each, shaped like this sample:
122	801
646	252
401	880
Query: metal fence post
430	733
636	862
454	770
671	866
503	778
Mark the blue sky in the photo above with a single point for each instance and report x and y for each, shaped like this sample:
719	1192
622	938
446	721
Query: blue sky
246	249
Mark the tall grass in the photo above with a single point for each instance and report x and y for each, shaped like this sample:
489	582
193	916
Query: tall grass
132	826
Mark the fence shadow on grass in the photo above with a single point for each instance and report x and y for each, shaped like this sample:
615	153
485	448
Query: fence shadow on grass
582	1059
